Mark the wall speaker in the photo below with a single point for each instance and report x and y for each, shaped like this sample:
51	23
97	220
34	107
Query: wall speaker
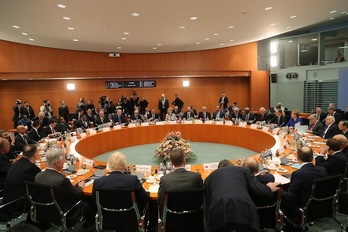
273	78
114	54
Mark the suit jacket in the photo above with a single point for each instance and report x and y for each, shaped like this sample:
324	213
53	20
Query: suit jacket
119	120
166	105
80	124
300	187
17	113
318	128
331	132
179	180
47	131
201	116
224	102
186	115
247	117
280	122
334	164
34	135
345	134
261	117
22	170
234	116
265	178
5	165
222	115
64	112
62	127
20	143
43	123
118	179
338	117
98	121
150	117
30	111
229	197
66	194
137	118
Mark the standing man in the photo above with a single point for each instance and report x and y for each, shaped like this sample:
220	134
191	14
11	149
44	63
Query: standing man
17	113
178	102
28	110
46	109
223	101
63	111
163	106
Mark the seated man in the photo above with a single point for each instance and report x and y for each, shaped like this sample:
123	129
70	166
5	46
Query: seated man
34	131
188	114
331	110
43	121
315	126
300	185
136	117
66	194
11	154
119	178
204	115
119	117
153	116
62	125
330	129
22	170
229	204
218	114
22	139
50	130
5	162
247	116
262	115
101	119
236	114
278	120
82	123
180	179
332	158
25	121
343	127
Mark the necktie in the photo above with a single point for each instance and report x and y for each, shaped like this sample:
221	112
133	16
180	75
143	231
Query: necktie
247	117
327	128
25	139
102	119
278	120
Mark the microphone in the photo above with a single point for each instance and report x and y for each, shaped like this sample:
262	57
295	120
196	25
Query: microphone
282	124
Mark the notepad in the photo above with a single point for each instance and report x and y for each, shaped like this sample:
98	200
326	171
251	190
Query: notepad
297	166
281	179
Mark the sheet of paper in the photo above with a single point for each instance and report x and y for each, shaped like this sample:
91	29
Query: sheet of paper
210	166
154	188
281	179
143	168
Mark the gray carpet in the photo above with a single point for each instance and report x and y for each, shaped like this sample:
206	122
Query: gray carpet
205	152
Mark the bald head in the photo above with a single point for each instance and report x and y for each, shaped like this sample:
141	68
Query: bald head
251	164
329	120
342	140
305	154
21	129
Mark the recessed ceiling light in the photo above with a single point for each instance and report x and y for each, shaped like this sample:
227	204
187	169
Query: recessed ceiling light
207	38
216	34
154	48
71	28
198	43
268	8
159	44
4	79
30	79
135	14
61	6
273	25
332	18
75	40
66	18
343	12
123	38
290	41
293	16
126	33
288	27
194	18
314	39
182	27
333	11
15	26
231	40
230	27
31	39
23	33
222	44
119	47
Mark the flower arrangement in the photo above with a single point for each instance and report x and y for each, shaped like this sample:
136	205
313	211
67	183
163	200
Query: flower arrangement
170	141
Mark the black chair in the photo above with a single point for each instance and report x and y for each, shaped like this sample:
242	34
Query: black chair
269	213
45	209
5	218
322	202
117	209
183	211
343	197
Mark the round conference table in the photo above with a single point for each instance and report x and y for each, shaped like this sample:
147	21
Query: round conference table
247	137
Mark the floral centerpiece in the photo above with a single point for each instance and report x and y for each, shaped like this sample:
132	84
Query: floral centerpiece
170	141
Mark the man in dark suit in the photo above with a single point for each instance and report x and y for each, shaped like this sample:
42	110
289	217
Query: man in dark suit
343	127
153	116
320	115
278	120
136	117
236	114
218	114
82	123
180	179
315	126
22	170
101	119
188	114
119	178
178	102
63	111
34	131
332	158
247	116
17	113
5	163
204	114
119	118
66	194
331	129
50	130
28	110
252	164
262	115
163	106
62	125
22	139
229	203
43	121
332	111
223	100
300	185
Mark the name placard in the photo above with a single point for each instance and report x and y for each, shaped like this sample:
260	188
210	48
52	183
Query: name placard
188	167
117	127
187	122
198	122
144	124
254	126
210	166
106	129
219	122
143	168
265	128
153	188
159	123
172	122
229	123
208	122
130	125
88	162
83	135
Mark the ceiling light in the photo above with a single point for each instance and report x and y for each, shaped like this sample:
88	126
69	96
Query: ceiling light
31	39
61	6
15	26
332	18
288	27
159	44
119	47
182	27
293	16
126	33
230	27
222	44
71	28
193	18
290	41
207	38
198	43
273	25
343	12
135	14
231	40
216	34
70	86
274	61
185	83
66	18
154	48
23	33
75	40
268	8
314	39
123	38
333	11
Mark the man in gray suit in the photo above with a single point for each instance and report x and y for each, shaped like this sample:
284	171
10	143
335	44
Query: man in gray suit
66	194
180	179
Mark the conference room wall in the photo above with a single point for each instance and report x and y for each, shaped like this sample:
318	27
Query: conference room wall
202	91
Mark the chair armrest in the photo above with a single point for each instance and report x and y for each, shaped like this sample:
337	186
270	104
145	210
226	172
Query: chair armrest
11	202
160	223
78	203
